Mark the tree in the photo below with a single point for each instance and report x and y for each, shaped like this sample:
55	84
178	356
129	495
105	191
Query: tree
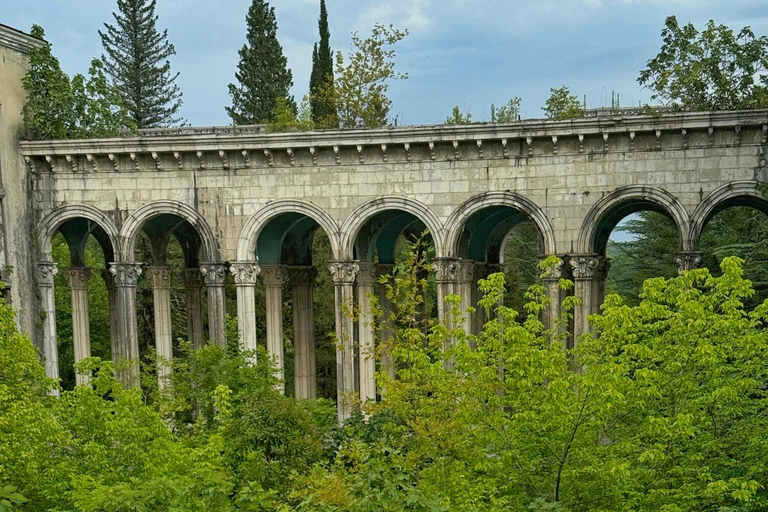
286	119
137	62
710	70
262	74
457	117
324	112
508	113
47	113
59	109
360	91
561	104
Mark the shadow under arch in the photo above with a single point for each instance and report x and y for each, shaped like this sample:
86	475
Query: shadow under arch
89	220
265	234
737	193
137	220
607	212
392	216
480	225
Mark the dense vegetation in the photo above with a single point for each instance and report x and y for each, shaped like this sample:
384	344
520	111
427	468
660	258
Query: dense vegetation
664	409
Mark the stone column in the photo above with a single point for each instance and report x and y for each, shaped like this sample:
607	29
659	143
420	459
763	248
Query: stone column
45	274
78	278
213	276
386	337
273	283
160	280
343	274
446	275
464	284
366	279
589	272
245	274
126	276
302	292
552	284
688	260
114	314
481	271
193	284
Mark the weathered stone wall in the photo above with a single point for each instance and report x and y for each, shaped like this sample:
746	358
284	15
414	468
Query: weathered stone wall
573	172
16	259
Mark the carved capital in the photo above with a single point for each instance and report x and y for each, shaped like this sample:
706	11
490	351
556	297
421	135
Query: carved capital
213	274
245	272
159	277
584	267
344	272
126	274
273	275
466	272
78	277
688	260
45	273
366	276
446	270
302	277
193	279
384	269
554	273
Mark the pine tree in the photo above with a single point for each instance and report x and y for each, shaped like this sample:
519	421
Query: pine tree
324	112
137	62
262	74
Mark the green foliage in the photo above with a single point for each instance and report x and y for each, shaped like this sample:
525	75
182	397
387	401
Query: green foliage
137	62
508	113
286	119
561	104
263	77
457	117
59	109
715	69
323	108
360	90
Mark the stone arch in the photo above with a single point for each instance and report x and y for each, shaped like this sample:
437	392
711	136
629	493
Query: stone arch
50	224
249	235
737	193
606	213
459	218
136	220
360	215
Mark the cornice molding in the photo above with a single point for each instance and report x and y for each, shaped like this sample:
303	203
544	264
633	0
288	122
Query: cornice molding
18	40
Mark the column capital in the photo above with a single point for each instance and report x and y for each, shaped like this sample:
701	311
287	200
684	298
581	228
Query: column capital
193	279
46	270
384	269
584	266
245	272
344	271
273	275
366	275
214	274
688	260
466	271
78	277
108	278
126	274
446	270
159	277
553	273
301	276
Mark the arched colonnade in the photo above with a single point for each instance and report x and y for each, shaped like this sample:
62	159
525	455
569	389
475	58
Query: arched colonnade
275	245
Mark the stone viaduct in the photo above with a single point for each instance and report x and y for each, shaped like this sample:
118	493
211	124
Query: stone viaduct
245	201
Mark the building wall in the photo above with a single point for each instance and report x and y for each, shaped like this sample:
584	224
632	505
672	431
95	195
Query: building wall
18	259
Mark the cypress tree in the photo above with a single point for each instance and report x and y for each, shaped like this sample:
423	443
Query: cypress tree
324	112
137	62
262	73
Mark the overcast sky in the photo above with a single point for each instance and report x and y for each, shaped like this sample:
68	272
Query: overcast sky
469	53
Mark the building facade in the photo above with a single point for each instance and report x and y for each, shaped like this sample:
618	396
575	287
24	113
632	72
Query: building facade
248	202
